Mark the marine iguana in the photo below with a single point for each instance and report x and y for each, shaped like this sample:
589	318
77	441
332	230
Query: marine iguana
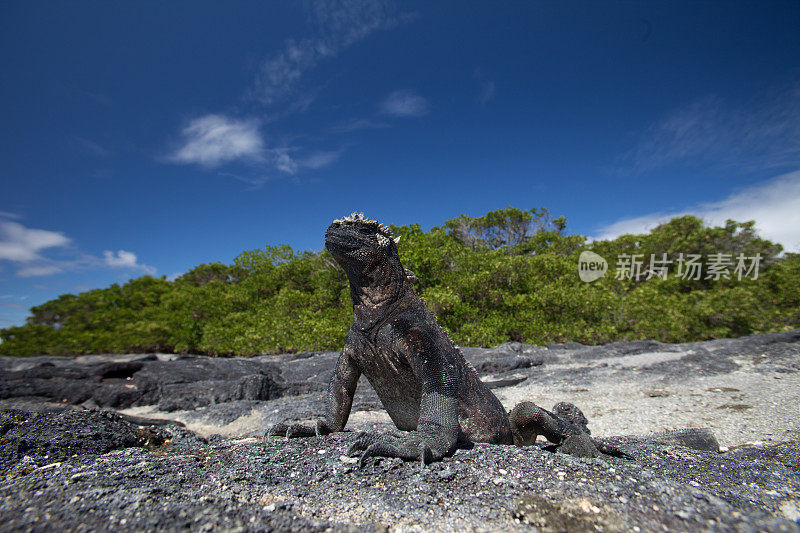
430	391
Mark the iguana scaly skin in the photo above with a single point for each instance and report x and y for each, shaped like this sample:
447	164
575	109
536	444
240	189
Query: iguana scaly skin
429	390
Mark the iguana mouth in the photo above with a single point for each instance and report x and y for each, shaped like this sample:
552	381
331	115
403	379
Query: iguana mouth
338	241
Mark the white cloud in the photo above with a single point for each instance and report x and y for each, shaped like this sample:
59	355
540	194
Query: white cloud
21	244
28	249
123	259
404	104
120	259
215	139
174	276
774	205
6	214
757	135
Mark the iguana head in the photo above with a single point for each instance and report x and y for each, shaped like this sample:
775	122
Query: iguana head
367	251
357	242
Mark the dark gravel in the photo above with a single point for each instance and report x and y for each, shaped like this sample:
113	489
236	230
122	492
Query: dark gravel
132	483
67	467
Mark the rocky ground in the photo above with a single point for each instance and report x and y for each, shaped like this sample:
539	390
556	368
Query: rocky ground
132	442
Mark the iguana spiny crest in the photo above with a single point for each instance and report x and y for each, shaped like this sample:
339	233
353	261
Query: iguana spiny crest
382	231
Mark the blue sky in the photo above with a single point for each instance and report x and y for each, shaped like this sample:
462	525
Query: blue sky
147	138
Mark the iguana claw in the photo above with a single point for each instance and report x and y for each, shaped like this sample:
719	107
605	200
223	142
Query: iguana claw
369	452
425	456
409	446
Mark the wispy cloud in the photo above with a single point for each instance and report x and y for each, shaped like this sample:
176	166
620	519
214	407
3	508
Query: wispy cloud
358	125
92	147
404	104
14	305
320	159
31	271
215	139
279	75
486	87
284	161
487	91
338	25
772	204
6	214
255	181
344	22
763	134
93	96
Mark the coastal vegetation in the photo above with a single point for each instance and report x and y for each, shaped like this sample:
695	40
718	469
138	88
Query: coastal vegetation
511	274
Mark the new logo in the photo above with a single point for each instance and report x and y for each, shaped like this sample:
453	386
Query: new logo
591	266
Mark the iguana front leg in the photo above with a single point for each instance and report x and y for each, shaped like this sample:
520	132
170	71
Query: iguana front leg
437	430
341	389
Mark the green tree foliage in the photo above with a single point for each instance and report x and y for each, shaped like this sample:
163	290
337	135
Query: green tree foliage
508	275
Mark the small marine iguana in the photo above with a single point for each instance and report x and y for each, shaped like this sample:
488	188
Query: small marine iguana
430	391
